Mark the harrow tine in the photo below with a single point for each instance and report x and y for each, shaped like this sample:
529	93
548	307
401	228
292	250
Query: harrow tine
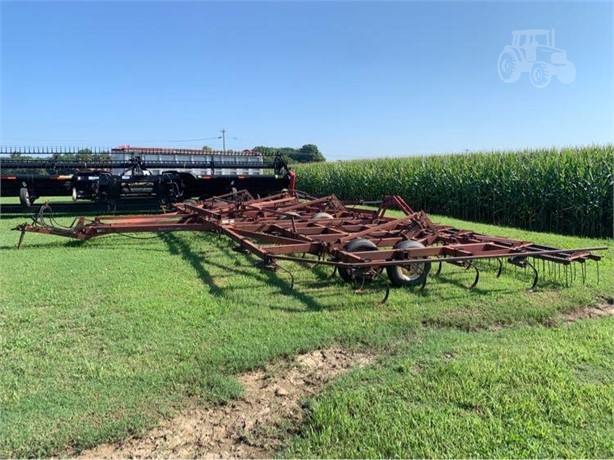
438	272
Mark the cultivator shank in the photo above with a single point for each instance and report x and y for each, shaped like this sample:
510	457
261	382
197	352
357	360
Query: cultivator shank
360	243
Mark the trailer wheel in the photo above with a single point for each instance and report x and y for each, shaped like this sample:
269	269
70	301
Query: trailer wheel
349	274
24	197
411	275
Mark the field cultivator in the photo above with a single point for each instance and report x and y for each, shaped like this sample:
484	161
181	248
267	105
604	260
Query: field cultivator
360	244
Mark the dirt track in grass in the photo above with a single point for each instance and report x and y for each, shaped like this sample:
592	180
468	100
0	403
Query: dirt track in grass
252	426
605	309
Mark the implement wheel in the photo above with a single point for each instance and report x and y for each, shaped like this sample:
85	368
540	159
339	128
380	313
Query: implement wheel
359	274
408	275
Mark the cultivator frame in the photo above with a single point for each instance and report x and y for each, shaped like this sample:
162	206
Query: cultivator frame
359	243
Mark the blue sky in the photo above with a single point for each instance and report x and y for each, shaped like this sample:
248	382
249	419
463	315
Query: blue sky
359	79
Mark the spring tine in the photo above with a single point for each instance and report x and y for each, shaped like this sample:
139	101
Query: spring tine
583	268
477	274
289	273
535	276
332	275
387	293
438	272
423	285
597	262
385	299
500	270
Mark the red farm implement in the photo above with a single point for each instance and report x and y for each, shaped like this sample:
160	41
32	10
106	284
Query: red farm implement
360	244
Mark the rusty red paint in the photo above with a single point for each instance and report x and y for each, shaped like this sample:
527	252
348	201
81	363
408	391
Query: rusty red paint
282	226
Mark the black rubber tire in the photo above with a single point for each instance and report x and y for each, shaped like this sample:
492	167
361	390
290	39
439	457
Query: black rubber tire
24	197
414	275
360	244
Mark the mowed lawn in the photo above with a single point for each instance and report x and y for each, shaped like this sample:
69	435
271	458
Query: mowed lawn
103	339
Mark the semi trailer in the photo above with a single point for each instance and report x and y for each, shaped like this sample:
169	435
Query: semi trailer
149	174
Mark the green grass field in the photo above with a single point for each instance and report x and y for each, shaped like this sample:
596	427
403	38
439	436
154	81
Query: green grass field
104	339
39	201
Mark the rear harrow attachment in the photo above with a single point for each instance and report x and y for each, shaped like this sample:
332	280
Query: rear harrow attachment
360	245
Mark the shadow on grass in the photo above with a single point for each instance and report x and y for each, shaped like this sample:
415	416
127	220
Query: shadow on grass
178	247
279	278
91	244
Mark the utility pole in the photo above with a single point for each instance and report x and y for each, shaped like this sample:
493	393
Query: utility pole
224	140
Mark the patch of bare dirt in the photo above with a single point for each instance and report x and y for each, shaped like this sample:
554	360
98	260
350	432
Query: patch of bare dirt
606	309
251	427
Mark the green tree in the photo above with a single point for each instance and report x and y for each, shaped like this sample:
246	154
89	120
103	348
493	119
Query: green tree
306	154
309	153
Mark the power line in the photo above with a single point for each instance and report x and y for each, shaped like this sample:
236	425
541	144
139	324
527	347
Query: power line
195	140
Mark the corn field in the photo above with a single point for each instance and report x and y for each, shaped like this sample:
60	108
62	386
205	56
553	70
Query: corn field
565	191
